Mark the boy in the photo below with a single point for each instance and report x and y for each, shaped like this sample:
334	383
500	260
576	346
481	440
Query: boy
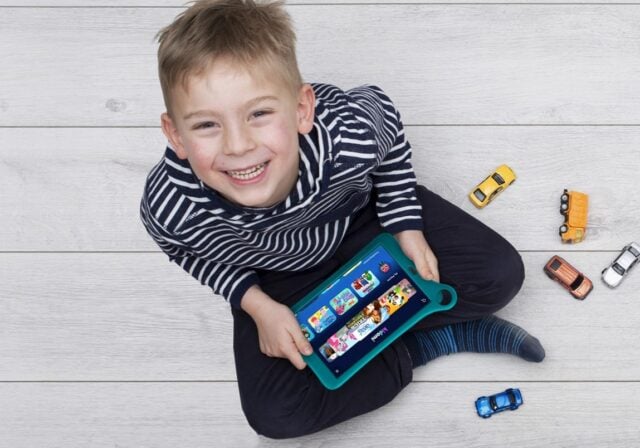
269	184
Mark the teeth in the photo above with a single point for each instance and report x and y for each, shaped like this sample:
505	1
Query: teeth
248	173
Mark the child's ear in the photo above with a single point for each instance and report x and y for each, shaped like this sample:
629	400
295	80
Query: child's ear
306	108
171	132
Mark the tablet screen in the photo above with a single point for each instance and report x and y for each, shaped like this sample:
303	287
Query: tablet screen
370	301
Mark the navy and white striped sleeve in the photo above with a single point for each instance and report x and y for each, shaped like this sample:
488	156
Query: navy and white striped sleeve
230	282
397	206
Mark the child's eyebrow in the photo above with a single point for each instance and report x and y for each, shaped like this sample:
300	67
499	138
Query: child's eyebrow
248	104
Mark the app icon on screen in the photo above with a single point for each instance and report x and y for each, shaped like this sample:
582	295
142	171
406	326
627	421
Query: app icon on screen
342	341
328	352
360	326
398	295
343	301
365	283
321	319
307	332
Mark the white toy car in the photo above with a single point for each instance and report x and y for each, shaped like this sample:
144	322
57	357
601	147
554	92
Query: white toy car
613	275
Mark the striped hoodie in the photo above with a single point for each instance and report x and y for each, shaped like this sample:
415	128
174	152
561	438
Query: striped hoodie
357	144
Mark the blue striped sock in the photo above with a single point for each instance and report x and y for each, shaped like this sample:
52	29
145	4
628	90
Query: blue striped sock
487	335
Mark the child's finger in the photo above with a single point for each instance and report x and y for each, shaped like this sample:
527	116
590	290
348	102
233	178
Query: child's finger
295	357
297	361
302	344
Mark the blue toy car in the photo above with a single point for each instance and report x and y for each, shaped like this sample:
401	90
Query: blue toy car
509	399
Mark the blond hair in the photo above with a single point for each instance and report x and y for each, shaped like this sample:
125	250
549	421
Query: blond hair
253	34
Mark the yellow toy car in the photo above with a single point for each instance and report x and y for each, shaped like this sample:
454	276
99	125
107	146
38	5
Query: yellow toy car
574	206
489	188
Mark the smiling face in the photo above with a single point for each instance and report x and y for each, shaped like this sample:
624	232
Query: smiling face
239	132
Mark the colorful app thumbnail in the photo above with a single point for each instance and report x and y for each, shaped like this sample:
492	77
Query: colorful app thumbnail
343	301
361	325
342	341
321	319
397	295
328	352
365	328
377	311
365	283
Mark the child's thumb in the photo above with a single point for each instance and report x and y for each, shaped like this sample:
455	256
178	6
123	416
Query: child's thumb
423	269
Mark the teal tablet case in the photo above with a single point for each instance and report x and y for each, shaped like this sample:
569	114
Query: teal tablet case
436	292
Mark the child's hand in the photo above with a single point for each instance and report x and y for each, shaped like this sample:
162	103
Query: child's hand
279	332
415	246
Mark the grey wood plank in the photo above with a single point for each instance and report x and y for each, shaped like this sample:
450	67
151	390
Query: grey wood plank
126	317
444	64
79	189
208	414
182	4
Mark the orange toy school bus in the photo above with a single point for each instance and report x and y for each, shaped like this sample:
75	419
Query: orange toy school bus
574	206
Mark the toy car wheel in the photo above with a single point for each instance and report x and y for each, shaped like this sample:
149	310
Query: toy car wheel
563	229
563	207
564	198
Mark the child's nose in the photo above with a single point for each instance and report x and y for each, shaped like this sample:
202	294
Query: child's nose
238	141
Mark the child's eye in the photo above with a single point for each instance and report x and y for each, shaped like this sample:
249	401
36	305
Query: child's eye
260	113
204	125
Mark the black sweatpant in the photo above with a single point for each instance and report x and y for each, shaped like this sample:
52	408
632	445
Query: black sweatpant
281	401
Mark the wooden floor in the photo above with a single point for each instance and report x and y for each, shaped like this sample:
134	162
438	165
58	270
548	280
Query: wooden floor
104	343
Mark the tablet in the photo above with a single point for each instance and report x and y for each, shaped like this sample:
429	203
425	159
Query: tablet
363	307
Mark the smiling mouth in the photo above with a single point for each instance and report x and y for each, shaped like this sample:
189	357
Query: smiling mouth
248	173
